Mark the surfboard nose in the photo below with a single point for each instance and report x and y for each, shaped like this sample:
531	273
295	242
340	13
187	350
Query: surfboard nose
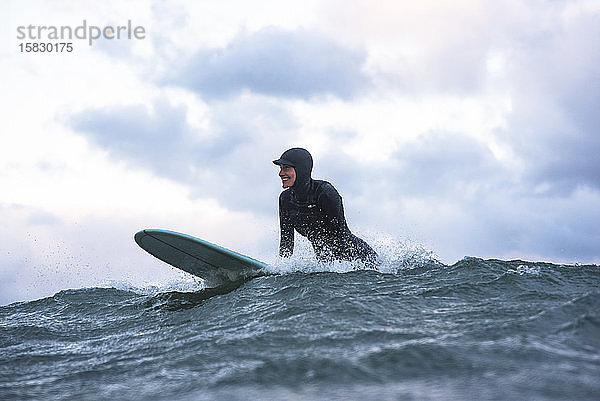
213	263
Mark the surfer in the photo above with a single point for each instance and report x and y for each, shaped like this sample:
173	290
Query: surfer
315	210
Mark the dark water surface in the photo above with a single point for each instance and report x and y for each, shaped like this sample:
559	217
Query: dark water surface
479	329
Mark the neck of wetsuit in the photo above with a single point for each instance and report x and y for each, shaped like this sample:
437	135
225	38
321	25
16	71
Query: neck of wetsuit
303	188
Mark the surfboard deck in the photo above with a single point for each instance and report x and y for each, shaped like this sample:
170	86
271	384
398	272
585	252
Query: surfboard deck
216	265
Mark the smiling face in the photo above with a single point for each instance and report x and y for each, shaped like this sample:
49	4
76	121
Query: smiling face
287	175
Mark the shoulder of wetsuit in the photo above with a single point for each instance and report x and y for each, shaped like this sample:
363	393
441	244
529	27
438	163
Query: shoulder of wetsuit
325	192
324	187
285	196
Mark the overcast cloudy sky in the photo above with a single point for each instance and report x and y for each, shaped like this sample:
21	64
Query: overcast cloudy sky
468	127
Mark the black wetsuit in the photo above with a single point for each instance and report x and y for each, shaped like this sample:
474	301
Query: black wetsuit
315	210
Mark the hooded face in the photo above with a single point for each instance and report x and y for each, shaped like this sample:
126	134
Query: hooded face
300	162
287	175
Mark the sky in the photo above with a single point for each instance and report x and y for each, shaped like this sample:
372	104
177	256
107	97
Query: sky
464	128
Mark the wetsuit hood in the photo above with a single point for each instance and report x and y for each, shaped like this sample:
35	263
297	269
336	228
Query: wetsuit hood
301	160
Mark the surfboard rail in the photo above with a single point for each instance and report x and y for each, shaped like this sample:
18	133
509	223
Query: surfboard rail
213	263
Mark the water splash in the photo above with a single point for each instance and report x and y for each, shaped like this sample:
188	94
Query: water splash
403	254
394	255
184	283
525	269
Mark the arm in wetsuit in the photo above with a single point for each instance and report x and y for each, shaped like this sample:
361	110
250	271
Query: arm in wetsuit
286	242
330	203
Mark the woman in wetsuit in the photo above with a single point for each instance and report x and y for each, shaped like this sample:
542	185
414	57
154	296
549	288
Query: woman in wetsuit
314	209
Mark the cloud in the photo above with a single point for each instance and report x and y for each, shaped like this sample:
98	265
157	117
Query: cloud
435	164
228	161
147	137
478	204
555	85
442	163
451	192
276	62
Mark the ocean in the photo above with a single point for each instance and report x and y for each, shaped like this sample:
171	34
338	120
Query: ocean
477	329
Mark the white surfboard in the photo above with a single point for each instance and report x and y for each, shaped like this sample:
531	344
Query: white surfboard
215	264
